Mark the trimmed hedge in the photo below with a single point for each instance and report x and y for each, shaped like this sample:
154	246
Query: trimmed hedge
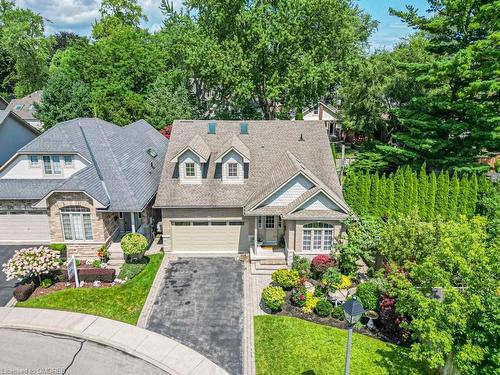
61	248
24	291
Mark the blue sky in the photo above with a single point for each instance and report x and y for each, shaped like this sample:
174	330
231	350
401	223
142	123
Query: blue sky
78	15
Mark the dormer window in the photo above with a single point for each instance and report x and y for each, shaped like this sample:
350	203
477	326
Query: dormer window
68	161
52	165
33	160
232	169
189	169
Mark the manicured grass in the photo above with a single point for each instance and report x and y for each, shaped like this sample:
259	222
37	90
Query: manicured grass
120	302
285	345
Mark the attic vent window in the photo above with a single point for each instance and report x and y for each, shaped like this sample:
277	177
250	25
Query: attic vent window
243	128
211	127
152	153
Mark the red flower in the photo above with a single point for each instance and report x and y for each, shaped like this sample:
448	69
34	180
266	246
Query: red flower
302	297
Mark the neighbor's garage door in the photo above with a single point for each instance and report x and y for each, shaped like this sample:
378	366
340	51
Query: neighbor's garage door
24	227
204	236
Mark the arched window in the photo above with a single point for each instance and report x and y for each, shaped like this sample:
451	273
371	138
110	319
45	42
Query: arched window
317	236
76	223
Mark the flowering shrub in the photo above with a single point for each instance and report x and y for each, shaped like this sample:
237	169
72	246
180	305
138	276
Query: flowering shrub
311	302
321	263
133	244
299	296
273	297
31	262
285	278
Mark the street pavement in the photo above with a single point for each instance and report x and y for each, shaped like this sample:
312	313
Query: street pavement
29	352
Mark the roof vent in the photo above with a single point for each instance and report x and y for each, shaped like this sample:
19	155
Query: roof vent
243	128
211	127
152	153
301	139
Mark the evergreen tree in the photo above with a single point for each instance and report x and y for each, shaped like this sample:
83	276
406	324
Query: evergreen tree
375	193
464	197
423	196
431	196
474	187
453	199
391	196
399	191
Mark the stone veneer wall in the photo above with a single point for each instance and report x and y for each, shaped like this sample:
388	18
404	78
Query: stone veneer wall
104	224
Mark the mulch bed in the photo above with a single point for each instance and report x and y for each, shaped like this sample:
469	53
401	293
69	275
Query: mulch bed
64	285
296	312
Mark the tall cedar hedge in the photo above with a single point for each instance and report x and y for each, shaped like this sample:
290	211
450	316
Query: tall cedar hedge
404	191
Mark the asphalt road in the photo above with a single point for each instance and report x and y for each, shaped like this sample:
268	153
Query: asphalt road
201	306
7	287
26	352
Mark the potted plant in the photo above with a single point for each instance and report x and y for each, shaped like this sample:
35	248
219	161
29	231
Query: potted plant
103	254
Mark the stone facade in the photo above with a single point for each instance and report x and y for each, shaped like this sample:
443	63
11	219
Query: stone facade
18	205
104	224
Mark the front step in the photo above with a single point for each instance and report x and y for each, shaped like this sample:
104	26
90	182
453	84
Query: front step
258	268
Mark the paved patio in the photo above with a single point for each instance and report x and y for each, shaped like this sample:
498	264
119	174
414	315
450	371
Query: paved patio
201	306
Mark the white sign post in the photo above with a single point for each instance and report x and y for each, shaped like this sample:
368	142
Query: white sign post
73	271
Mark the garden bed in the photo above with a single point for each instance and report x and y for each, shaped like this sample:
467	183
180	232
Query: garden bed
56	287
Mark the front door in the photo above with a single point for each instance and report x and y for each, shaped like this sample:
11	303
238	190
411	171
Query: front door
125	222
270	230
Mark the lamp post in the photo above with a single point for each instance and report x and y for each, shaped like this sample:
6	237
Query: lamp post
353	310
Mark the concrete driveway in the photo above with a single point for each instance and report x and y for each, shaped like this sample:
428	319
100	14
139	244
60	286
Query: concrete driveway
7	287
44	353
201	306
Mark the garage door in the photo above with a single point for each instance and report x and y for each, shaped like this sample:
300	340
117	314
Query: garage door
213	236
25	228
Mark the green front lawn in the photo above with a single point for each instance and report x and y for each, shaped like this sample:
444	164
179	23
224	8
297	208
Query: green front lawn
120	302
285	345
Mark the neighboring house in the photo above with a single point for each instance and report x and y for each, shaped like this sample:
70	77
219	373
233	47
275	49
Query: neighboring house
82	182
264	187
25	108
3	103
329	116
14	134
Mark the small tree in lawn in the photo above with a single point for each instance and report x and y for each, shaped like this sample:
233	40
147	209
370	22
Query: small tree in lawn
31	262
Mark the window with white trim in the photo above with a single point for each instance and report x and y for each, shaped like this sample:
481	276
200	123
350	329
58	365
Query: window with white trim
269	222
52	165
68	161
34	161
259	222
280	222
76	223
232	169
317	236
189	170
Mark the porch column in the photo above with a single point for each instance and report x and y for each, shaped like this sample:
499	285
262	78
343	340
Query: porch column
132	221
255	235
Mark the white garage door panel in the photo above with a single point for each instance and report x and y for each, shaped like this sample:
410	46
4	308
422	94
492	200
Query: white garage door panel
210	238
24	228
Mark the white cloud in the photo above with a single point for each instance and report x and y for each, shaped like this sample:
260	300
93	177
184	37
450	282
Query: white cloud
78	15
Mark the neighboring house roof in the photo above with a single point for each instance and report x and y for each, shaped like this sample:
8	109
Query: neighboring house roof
4	114
24	107
326	107
279	151
122	175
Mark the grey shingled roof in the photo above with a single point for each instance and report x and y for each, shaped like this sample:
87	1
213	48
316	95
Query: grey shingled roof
197	145
236	144
122	175
317	215
277	154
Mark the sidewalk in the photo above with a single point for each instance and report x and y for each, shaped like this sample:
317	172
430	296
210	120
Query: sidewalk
160	351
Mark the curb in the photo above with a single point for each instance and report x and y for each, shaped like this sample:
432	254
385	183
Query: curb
147	309
158	350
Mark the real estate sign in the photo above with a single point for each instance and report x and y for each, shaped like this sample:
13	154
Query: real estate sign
73	271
